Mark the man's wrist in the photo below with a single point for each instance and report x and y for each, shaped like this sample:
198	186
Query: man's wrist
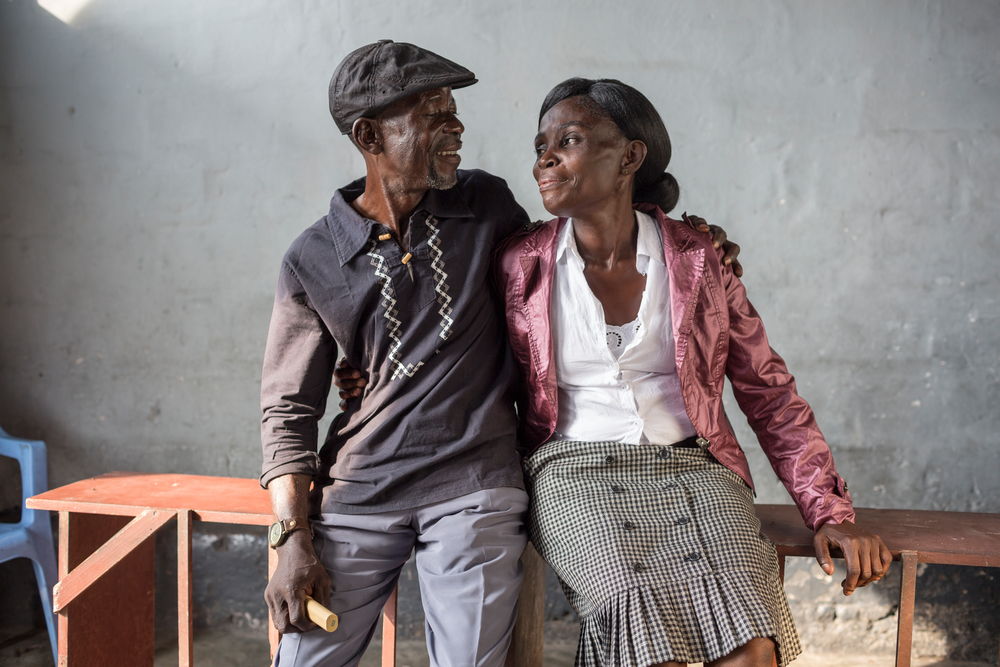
300	540
285	529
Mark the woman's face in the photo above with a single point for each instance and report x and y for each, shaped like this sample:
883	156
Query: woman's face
579	156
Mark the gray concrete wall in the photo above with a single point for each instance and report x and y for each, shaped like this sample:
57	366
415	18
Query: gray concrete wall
157	159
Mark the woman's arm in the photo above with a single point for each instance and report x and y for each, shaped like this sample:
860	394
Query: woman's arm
795	446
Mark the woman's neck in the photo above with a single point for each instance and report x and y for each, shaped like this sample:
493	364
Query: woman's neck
608	236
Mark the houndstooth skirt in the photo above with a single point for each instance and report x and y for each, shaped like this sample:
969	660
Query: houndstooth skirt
659	551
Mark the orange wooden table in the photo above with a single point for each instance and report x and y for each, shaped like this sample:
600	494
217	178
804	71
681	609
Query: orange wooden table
104	597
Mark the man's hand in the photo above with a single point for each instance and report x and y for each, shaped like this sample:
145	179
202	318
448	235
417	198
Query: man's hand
299	573
350	382
729	250
865	554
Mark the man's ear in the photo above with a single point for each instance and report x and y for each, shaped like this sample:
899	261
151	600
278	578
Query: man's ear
366	135
635	155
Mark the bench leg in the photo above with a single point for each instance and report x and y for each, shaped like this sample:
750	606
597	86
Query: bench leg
907	599
185	626
389	629
528	642
273	636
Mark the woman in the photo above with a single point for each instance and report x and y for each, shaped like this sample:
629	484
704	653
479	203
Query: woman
624	330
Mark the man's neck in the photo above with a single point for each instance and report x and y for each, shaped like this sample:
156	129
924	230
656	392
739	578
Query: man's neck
388	203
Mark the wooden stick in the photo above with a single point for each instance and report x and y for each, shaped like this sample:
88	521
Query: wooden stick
321	616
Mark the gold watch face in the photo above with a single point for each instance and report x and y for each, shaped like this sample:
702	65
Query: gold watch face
274	534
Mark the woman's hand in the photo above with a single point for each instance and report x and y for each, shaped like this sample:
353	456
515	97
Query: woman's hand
730	250
350	382
865	554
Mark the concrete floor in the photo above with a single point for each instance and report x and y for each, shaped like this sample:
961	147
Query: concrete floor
240	648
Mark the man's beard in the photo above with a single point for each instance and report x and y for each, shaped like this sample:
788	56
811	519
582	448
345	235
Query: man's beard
438	181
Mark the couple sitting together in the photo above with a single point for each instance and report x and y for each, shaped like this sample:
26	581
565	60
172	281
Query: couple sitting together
612	328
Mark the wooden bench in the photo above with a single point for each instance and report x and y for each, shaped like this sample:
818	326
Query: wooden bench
105	524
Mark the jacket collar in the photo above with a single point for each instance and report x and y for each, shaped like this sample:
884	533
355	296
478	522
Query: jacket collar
685	256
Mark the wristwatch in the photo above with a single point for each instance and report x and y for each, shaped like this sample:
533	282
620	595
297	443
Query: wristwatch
280	530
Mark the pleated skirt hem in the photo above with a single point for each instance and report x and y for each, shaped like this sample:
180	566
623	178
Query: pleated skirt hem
698	620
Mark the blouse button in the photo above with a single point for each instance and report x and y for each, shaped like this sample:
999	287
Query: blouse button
609	459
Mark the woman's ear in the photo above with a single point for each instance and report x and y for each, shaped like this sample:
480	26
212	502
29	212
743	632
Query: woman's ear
366	136
635	155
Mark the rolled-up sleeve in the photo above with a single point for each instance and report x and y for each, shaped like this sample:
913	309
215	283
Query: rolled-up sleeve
782	420
298	369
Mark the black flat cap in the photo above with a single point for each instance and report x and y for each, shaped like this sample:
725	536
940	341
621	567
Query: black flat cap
371	78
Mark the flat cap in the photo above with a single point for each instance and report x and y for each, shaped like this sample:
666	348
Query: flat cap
371	78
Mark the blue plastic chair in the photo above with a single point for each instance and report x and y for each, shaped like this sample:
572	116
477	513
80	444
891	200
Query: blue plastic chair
31	537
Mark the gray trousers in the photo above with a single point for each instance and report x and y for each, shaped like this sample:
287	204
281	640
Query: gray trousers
468	553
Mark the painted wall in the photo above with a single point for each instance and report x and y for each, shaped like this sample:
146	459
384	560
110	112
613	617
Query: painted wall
157	159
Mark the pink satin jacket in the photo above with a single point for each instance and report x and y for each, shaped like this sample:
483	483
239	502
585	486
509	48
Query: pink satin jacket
718	334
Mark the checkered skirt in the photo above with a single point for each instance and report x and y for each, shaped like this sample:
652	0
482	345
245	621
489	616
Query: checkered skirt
659	551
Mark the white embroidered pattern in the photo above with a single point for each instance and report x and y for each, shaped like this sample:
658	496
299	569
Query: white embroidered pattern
389	302
440	279
393	324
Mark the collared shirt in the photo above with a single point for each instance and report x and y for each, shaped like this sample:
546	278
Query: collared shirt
634	397
436	420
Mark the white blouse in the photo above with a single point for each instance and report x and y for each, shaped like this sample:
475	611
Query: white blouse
616	383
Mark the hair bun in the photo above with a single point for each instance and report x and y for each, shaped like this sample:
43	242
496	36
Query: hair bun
663	191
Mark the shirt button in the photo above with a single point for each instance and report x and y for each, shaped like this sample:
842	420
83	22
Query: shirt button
663	454
628	525
609	459
670	486
683	520
702	442
638	567
617	489
691	557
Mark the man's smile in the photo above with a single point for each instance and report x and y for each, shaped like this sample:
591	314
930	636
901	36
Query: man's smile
449	154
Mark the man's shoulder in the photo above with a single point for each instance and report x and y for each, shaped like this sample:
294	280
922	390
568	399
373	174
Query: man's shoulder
484	192
478	178
315	238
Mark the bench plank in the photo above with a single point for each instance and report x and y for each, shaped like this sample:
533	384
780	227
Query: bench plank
950	538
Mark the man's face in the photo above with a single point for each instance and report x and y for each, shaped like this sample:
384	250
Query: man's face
421	137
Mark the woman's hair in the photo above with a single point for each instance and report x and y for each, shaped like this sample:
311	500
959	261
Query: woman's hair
637	119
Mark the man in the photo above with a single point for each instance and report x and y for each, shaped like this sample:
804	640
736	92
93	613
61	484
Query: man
397	277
